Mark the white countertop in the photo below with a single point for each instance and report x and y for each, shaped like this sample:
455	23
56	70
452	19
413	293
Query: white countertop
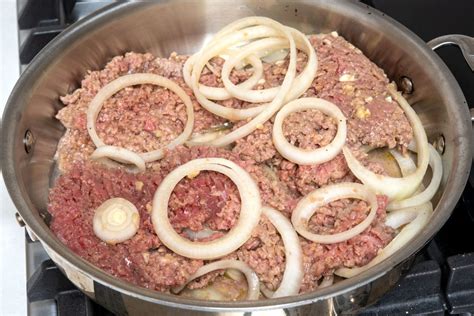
12	237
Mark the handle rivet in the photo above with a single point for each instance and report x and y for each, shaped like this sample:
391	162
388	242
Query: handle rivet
439	144
28	141
19	220
406	85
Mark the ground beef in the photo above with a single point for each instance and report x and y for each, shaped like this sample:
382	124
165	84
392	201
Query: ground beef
146	117
218	211
73	200
306	178
351	81
261	138
142	259
85	186
140	118
264	252
309	129
321	259
356	85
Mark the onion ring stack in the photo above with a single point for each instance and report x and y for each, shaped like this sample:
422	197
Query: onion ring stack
252	35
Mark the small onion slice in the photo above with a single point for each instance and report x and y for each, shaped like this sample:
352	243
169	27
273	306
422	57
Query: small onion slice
395	188
253	291
326	281
135	79
116	220
309	204
109	154
248	218
407	233
399	218
406	164
293	275
316	156
425	196
266	291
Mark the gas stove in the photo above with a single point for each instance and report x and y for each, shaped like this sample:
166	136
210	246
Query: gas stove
441	280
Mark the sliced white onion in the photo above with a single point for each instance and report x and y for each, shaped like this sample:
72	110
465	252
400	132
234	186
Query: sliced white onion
253	291
395	188
406	164
219	94
193	68
109	154
248	218
135	79
266	291
274	56
272	33
437	167
326	281
407	233
315	156
222	43
401	217
204	233
293	275
309	204
205	138
300	85
116	220
234	274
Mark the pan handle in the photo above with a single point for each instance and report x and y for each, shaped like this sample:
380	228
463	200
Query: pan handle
465	43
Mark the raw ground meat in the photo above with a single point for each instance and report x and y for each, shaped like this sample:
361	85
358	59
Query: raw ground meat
356	85
351	81
321	259
143	260
265	254
146	117
140	118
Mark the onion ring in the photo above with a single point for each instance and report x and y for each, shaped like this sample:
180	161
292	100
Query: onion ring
236	237
116	220
134	79
395	188
437	167
252	278
293	275
308	205
109	154
407	233
316	156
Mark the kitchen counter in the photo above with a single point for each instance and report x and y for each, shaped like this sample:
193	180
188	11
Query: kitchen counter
12	237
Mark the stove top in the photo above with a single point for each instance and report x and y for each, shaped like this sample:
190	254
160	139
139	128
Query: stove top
441	280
